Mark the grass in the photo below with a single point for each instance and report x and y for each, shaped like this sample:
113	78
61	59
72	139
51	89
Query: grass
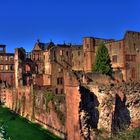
126	135
22	129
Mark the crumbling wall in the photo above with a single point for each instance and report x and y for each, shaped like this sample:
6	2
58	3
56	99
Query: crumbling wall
118	106
89	110
31	104
101	108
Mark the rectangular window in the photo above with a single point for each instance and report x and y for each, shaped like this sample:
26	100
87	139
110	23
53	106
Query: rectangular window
11	67
1	67
133	58
59	81
130	57
134	46
61	52
6	67
67	53
11	57
127	57
87	45
120	45
79	63
62	91
72	55
133	73
6	58
60	70
114	58
78	53
54	54
1	58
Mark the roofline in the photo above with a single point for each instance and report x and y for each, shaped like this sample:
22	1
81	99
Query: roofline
98	38
88	37
132	31
2	45
2	53
115	41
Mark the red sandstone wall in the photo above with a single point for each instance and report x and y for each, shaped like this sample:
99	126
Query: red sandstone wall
72	105
8	77
72	120
21	101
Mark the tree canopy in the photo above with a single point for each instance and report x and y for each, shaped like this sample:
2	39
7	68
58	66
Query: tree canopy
102	61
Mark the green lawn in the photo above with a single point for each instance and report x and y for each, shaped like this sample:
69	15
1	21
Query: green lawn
21	129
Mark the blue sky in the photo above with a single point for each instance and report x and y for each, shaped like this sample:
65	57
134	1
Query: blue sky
22	22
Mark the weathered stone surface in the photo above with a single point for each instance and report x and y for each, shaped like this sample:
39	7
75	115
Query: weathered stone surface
21	100
89	109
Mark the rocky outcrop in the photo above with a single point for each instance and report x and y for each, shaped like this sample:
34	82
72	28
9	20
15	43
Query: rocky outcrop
118	106
133	103
88	112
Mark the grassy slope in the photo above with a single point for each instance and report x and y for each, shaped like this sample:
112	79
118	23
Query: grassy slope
128	135
21	129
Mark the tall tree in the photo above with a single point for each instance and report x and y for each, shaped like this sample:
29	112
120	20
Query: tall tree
102	61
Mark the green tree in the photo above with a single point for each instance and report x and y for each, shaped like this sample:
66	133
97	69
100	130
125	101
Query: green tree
102	61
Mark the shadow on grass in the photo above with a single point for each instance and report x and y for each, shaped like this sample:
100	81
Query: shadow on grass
22	128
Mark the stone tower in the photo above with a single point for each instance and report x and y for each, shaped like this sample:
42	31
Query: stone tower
89	53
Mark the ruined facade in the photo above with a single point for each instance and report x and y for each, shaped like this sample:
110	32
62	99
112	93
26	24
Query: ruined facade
124	54
6	67
46	63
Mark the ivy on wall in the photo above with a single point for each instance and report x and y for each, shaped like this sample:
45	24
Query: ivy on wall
57	101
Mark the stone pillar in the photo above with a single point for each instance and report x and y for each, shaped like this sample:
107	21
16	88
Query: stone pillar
73	98
89	53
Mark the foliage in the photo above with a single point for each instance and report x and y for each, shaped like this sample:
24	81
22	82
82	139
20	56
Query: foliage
125	135
102	61
3	133
49	96
60	116
57	100
128	135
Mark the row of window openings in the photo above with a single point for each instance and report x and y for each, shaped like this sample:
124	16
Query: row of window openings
78	53
79	63
6	58
136	35
59	81
67	53
54	53
57	91
120	45
6	67
36	57
62	53
110	46
130	57
127	57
